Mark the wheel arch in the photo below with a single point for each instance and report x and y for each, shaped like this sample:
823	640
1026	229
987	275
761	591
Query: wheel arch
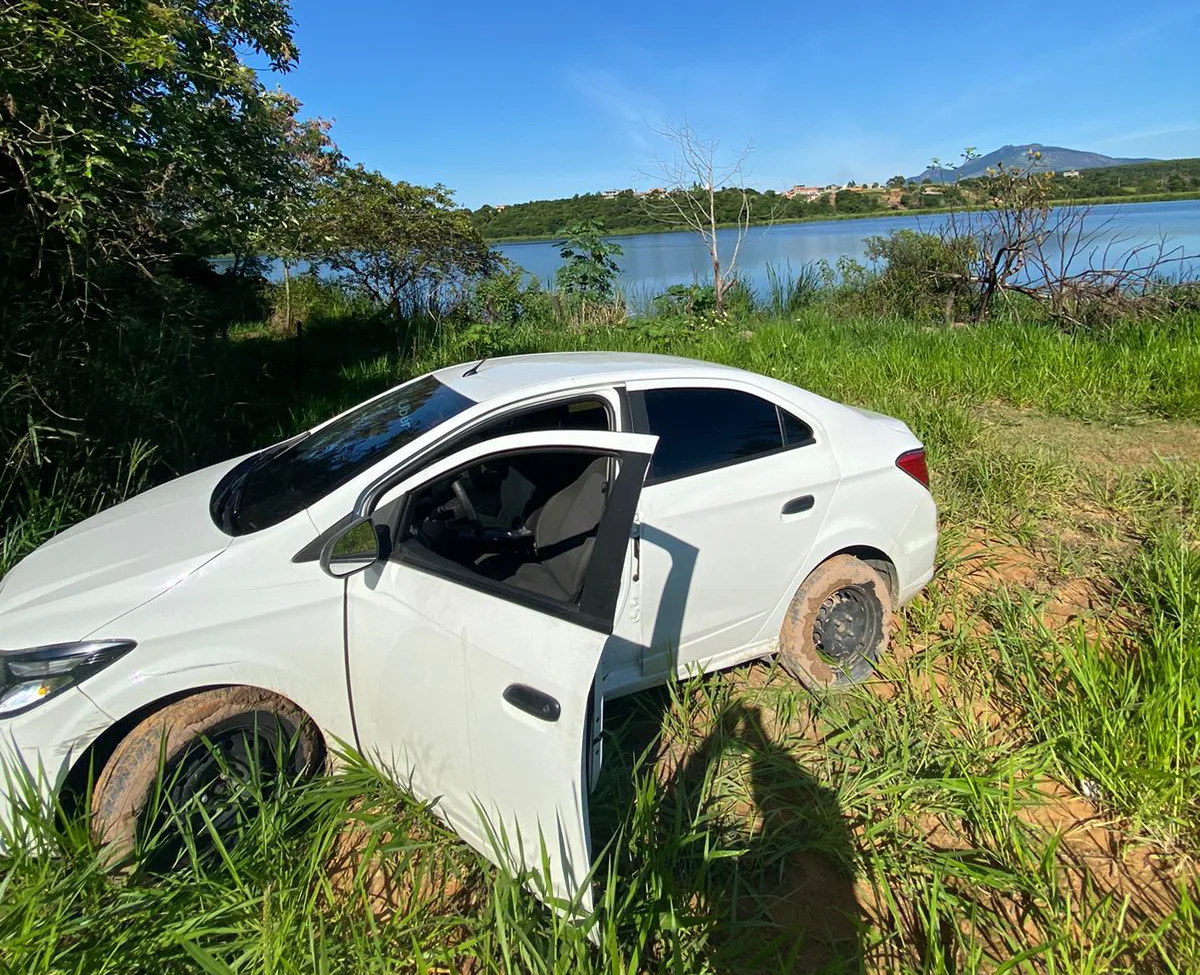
81	776
861	541
876	558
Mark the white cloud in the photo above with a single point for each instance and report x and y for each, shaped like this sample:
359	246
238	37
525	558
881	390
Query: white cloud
633	111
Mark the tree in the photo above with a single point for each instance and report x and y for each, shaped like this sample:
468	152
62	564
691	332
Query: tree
589	271
134	142
131	130
848	202
1012	229
896	182
289	229
694	176
408	247
1057	255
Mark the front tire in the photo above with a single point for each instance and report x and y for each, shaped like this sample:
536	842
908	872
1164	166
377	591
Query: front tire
838	625
206	747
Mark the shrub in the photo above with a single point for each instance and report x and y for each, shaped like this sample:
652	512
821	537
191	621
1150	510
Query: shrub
589	271
685	299
923	275
509	296
315	299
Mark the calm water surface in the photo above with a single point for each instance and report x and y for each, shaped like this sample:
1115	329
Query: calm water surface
652	262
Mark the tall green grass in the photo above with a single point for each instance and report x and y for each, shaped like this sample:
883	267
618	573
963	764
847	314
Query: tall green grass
746	825
1137	371
1123	723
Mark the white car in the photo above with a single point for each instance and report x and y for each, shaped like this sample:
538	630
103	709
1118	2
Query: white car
452	578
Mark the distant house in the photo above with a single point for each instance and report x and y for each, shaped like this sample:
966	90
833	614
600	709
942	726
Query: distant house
1071	174
654	191
931	191
500	206
804	192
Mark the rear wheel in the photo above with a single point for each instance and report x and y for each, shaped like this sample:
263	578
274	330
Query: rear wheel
218	752
838	624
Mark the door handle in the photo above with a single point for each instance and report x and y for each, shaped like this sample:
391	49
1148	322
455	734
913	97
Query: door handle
532	701
797	505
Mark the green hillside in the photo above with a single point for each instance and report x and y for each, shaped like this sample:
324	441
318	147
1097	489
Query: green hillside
627	212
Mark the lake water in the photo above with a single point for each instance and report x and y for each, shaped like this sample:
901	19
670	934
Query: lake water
651	262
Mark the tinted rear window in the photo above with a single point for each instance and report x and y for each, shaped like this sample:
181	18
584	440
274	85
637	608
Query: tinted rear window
796	433
699	429
268	488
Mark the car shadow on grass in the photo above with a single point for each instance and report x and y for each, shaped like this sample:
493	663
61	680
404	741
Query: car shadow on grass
730	839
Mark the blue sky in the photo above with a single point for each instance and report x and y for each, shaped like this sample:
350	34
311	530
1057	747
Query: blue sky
529	100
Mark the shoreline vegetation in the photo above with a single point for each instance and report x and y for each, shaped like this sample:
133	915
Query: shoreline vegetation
1014	790
871	215
627	212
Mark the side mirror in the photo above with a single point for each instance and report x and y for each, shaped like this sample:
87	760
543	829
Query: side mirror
355	548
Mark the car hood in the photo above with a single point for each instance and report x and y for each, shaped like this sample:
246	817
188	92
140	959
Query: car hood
111	563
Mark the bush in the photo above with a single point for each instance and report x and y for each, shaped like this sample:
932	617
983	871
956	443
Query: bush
923	275
686	300
510	296
699	300
315	300
80	391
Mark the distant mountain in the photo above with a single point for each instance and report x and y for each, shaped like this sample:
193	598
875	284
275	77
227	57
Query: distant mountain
1054	158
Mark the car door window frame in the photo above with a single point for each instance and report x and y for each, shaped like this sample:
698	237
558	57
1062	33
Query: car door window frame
608	393
454	441
597	605
641	424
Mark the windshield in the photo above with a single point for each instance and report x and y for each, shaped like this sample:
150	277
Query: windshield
278	482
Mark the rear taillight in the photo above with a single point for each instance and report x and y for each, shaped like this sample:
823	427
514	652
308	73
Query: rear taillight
912	462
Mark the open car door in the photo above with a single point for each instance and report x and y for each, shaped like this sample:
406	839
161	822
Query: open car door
473	647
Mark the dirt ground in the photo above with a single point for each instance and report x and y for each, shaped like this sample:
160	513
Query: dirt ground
1098	444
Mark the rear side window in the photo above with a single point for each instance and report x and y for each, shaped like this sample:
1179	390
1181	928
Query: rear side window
702	429
796	433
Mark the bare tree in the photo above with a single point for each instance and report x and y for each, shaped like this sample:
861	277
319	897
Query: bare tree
1062	255
696	182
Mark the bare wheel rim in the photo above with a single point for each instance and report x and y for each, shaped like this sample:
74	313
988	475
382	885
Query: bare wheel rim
213	783
847	627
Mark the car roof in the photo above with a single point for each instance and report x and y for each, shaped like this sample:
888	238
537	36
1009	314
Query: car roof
499	378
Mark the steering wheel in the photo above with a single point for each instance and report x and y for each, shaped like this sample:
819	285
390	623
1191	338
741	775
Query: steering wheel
460	492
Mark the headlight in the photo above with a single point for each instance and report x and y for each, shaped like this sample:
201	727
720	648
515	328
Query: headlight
29	677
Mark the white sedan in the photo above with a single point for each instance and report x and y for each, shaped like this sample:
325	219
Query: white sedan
452	578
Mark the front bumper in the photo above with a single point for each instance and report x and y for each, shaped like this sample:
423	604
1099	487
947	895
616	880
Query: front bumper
37	750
